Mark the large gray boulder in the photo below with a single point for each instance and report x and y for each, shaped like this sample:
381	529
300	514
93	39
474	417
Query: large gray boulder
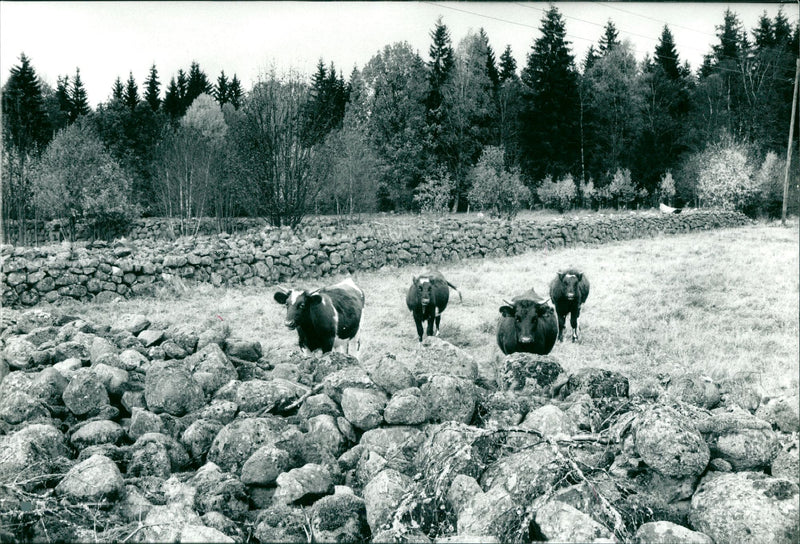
526	474
450	398
85	394
98	432
238	440
265	465
341	517
267	395
740	438
670	443
439	357
531	372
397	445
363	407
382	496
666	532
560	522
551	421
170	388
219	491
407	407
390	374
198	437
31	451
18	406
739	506
489	514
309	480
95	479
210	368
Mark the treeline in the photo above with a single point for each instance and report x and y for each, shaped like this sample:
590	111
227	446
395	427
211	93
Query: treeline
462	129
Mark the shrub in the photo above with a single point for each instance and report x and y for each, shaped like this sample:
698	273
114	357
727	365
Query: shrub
557	194
76	179
666	188
587	193
621	187
769	180
726	178
433	194
495	188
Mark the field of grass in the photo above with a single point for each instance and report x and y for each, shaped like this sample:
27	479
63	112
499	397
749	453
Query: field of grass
722	303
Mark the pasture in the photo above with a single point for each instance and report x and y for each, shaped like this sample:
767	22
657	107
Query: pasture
721	303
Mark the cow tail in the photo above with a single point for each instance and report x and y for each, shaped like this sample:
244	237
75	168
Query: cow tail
460	299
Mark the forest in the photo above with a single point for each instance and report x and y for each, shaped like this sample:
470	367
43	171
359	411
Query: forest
463	129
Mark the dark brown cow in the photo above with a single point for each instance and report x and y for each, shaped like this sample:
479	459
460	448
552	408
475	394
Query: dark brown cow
427	298
568	291
527	324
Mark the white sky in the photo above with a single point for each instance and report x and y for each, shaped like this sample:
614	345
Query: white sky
110	39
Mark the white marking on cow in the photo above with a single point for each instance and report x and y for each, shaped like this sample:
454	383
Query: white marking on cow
293	295
424	280
570	276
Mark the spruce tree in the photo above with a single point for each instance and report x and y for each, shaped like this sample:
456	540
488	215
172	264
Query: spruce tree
508	65
221	90
610	38
172	100
131	92
666	55
441	63
79	102
152	89
550	138
782	30
491	62
235	92
64	103
25	123
590	58
182	90
196	85
117	91
730	35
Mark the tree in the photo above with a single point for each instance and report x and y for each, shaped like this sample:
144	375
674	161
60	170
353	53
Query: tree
468	111
325	108
26	131
152	89
76	179
509	107
196	84
190	163
59	117
398	87
78	99
221	90
508	65
590	58
118	91
727	178
550	141
609	40
432	195
440	66
491	64
666	55
269	148
235	92
558	194
495	188
131	92
172	100
621	188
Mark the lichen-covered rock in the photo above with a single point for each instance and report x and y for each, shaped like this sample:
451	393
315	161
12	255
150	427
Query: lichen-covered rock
97	432
529	371
352	376
489	514
341	517
210	368
18	352
176	454
316	405
85	394
267	395
743	440
201	533
96	479
670	443
666	532
363	407
323	435
526	474
31	451
165	523
281	523
238	440
133	323
462	490
198	437
398	445
439	357
142	422
504	409
309	480
247	350
450	398
382	496
560	522
787	465
596	382
265	465
551	421
406	407
115	380
694	389
390	374
18	406
219	491
781	412
170	388
731	507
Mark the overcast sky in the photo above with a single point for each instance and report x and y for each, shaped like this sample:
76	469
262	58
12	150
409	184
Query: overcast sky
110	39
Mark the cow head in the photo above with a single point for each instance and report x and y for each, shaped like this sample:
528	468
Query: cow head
570	284
424	288
296	303
526	315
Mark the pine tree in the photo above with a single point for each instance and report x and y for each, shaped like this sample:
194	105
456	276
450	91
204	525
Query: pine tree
64	103
79	102
196	85
666	55
235	92
172	100
550	140
182	90
610	38
782	30
25	123
491	63
152	89
590	59
131	92
508	65
441	63
730	35
764	32
117	91
222	91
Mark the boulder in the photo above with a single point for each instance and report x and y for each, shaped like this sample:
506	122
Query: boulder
198	437
219	491
267	396
390	374
316	405
31	451
309	480
170	388
397	445
115	380
439	357
382	495
201	533
238	440
85	394
322	434
341	517
93	480
781	413
462	490
17	407
18	352
551	421
694	389
450	398
281	523
264	466
363	407
740	438
97	432
504	409
596	382
99	348
490	514
247	350
560	522
165	523
730	507
670	443
133	323
526	474
142	422
666	532
210	368
534	373
353	376
406	407
787	465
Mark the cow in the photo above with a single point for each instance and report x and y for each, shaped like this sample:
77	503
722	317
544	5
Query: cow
568	291
427	298
326	317
527	324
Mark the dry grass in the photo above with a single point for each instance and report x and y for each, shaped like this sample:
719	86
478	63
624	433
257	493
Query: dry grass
723	303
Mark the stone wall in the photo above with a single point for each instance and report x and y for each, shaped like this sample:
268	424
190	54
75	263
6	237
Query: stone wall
103	271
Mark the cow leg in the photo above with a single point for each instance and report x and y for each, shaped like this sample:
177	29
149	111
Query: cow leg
430	326
573	320
438	322
418	323
562	321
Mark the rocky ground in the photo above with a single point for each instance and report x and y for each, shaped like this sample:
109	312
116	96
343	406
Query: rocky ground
129	431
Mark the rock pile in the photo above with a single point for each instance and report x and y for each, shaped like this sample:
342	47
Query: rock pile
175	435
102	271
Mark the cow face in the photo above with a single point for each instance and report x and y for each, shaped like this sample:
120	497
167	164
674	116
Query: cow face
526	315
570	283
296	303
424	290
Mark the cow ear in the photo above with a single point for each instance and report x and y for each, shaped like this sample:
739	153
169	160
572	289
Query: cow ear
542	309
507	311
579	275
280	297
314	298
561	275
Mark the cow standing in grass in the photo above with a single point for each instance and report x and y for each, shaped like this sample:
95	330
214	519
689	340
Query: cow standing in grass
427	298
568	291
527	324
324	318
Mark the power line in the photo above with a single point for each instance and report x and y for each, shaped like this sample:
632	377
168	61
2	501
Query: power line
607	5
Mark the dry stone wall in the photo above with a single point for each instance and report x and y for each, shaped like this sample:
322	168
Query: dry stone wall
100	270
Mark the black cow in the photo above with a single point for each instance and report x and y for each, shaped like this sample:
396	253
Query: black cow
568	291
325	317
427	298
527	324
